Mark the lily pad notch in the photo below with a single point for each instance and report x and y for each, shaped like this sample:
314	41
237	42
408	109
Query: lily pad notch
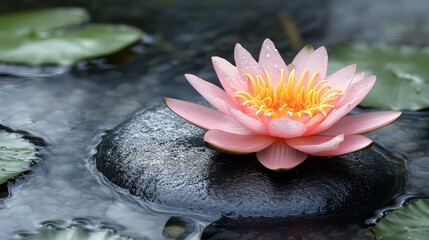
59	36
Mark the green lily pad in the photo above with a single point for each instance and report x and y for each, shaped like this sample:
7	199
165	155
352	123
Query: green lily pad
75	233
68	47
401	70
16	155
409	222
44	37
35	21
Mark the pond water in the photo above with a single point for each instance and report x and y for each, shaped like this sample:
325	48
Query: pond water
71	111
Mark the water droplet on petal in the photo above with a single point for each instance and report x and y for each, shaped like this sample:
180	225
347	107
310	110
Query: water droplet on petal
268	55
244	57
275	66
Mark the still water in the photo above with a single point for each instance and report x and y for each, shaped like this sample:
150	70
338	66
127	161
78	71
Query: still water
72	110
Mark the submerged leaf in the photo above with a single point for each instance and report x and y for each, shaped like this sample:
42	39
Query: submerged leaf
402	73
16	155
35	21
409	222
68	47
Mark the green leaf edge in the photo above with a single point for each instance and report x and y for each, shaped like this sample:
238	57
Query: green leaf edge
65	31
407	222
12	144
84	17
138	34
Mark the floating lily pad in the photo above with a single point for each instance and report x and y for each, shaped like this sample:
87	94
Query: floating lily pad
16	155
68	47
409	222
39	37
36	21
401	70
75	233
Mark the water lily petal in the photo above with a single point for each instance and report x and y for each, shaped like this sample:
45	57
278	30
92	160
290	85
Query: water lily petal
285	128
229	76
237	143
245	62
358	77
248	122
271	60
362	123
316	62
351	143
302	55
342	78
204	117
333	117
315	144
358	91
212	93
280	156
315	121
354	95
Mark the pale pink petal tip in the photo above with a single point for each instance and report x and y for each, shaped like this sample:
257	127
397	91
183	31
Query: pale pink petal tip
271	60
362	123
279	156
196	114
203	117
342	78
236	143
302	55
228	76
351	143
245	62
212	93
316	62
316	144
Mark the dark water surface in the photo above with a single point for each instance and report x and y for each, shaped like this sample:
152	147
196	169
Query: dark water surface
71	111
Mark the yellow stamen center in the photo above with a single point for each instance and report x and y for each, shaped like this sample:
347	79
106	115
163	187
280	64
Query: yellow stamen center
289	98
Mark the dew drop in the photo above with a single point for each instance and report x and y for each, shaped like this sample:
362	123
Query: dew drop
244	57
275	66
267	55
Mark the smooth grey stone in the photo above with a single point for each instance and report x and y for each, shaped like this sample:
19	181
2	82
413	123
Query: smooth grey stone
163	160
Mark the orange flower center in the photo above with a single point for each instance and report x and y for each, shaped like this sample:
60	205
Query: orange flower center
289	97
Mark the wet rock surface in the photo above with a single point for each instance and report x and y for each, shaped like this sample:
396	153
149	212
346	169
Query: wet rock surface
163	160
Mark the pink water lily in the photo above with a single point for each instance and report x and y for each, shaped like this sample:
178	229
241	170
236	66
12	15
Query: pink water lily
283	112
